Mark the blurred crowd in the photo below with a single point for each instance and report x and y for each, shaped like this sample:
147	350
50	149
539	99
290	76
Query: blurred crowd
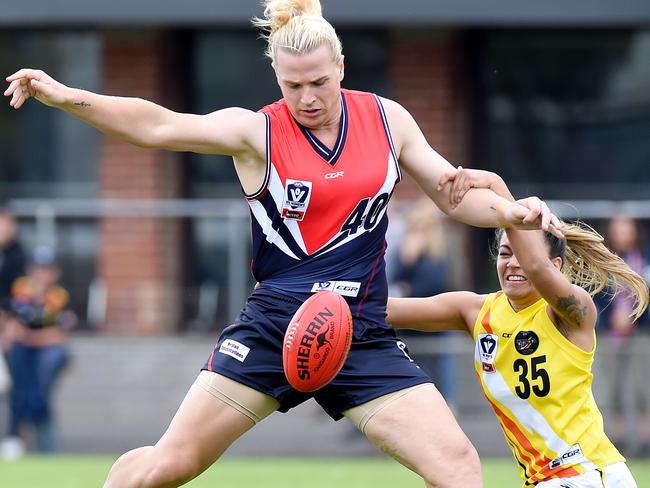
34	327
624	361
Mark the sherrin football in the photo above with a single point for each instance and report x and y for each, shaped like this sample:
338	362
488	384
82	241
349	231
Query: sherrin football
317	341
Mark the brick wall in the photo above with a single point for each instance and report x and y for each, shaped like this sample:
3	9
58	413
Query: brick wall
139	257
427	73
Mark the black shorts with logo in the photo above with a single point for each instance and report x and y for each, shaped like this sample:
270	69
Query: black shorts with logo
250	352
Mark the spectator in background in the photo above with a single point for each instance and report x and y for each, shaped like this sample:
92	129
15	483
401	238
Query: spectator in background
629	363
12	257
12	266
35	332
421	269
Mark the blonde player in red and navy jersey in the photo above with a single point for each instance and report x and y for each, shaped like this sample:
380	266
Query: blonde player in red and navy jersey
535	344
318	169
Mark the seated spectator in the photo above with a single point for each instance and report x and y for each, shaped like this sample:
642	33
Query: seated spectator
35	333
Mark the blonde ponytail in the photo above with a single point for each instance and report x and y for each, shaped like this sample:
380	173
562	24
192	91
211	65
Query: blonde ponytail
592	266
297	26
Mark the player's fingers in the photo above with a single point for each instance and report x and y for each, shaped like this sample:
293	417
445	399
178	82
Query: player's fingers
15	96
534	209
555	227
35	86
556	222
446	178
22	73
12	87
545	216
460	189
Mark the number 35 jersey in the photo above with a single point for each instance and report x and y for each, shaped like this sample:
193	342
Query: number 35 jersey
539	385
319	221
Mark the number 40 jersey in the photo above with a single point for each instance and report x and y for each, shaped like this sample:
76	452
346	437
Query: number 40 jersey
319	221
539	385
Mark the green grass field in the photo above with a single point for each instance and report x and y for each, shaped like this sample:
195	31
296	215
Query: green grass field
89	471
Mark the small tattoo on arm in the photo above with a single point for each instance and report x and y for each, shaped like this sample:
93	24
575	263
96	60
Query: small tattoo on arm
82	104
569	307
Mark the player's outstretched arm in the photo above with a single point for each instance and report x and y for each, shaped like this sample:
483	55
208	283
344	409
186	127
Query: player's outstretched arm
447	311
427	167
230	131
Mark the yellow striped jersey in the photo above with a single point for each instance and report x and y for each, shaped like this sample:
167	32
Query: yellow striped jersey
539	385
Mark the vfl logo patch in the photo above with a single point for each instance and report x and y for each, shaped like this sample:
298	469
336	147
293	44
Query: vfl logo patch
402	347
526	342
573	455
296	199
486	347
234	349
345	288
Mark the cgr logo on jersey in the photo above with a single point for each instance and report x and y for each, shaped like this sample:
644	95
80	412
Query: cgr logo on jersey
486	347
296	199
526	342
573	455
345	288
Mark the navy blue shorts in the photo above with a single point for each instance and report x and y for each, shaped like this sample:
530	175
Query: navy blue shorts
250	352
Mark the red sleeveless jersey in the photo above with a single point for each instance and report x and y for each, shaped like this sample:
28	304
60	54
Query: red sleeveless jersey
319	221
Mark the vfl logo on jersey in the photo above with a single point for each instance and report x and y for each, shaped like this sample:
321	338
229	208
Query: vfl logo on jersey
526	342
402	347
296	199
486	347
573	455
345	288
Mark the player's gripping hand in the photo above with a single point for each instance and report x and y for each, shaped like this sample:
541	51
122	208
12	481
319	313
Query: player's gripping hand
463	179
529	213
35	83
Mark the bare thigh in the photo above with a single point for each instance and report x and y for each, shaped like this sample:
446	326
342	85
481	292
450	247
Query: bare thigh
204	426
418	429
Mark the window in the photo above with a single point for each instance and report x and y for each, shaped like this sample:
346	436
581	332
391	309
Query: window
44	152
565	114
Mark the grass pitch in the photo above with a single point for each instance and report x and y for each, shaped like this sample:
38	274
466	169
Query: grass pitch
90	471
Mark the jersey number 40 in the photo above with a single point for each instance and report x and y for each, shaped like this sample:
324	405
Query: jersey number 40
366	214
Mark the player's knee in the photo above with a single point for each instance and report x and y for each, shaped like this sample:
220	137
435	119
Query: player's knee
462	468
171	470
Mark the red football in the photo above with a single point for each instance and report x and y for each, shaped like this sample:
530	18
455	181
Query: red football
317	341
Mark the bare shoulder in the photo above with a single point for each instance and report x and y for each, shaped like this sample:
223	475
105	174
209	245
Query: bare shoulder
400	121
245	125
396	113
471	304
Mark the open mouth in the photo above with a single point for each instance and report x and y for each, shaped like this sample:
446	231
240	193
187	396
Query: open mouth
516	279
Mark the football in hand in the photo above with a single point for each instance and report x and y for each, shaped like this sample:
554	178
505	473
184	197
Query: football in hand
317	341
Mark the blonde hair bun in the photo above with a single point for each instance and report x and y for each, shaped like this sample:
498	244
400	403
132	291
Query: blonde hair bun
297	26
279	13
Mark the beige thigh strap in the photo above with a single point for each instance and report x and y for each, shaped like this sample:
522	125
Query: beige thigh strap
361	414
252	403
